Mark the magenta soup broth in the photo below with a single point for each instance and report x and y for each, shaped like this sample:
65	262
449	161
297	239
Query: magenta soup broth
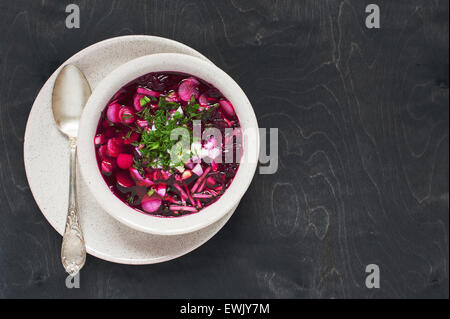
143	166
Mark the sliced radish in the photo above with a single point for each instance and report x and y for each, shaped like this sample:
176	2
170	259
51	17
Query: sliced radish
138	106
113	113
108	165
227	107
102	152
188	88
124	161
126	115
114	146
100	139
151	204
124	179
147	92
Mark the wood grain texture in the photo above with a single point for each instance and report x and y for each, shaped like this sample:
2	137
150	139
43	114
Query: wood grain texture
364	150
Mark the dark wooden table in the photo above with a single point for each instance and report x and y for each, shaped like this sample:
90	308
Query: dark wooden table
363	153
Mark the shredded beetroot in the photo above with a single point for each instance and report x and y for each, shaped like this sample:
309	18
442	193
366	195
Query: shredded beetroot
182	192
197	183
188	88
185	208
202	196
202	186
189	195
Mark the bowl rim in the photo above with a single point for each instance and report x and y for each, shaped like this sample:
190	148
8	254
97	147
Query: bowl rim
127	72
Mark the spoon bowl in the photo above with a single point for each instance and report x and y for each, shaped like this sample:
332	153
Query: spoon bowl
70	94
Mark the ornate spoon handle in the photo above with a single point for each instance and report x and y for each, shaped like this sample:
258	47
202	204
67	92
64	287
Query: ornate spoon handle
73	250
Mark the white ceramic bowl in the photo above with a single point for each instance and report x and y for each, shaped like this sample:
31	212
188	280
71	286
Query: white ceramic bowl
159	63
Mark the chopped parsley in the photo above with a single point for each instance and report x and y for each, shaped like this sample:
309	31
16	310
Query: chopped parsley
127	116
128	135
156	141
137	164
144	100
130	199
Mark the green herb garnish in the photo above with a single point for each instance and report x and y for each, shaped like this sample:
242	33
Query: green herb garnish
157	145
144	100
128	135
130	199
127	116
137	164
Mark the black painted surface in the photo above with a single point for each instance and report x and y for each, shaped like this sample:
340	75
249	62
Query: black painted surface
363	120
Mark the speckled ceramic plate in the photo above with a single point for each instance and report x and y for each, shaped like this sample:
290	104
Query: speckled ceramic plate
46	154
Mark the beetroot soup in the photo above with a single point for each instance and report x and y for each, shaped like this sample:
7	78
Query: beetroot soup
148	150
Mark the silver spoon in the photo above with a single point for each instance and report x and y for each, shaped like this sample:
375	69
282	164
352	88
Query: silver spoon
70	94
